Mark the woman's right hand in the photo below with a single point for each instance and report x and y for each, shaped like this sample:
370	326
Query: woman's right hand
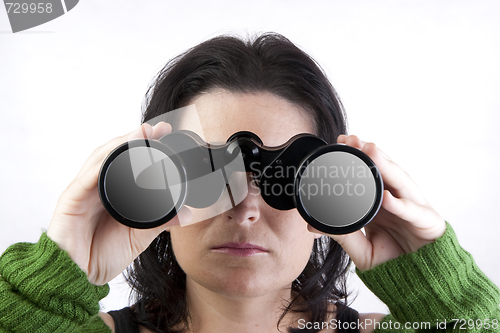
101	246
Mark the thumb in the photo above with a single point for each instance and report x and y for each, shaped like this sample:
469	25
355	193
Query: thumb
355	244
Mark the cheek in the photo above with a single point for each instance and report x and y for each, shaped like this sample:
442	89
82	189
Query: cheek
190	252
304	248
295	242
183	245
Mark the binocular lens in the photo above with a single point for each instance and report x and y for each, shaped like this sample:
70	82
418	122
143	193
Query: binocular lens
144	185
337	191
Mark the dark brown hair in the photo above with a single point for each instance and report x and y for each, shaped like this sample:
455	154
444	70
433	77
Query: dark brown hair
267	63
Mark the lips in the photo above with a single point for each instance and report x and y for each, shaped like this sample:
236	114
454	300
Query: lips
240	249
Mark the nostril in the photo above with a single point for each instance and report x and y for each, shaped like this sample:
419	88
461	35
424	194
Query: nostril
244	213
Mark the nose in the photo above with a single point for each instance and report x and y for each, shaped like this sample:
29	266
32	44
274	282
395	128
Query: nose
248	210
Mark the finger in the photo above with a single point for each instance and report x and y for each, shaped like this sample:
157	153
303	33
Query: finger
350	140
85	182
342	138
161	129
143	132
98	156
354	141
418	216
87	177
395	179
81	194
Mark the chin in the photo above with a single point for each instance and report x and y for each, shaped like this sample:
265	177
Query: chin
244	284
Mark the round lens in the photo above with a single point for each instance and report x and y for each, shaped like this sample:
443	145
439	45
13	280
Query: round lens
337	190
143	185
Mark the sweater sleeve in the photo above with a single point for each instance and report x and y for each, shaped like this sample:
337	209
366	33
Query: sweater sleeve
43	290
438	288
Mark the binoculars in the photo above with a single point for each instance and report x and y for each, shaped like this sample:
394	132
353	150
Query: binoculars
144	183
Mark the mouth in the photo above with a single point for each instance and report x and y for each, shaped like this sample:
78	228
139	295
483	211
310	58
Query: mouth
240	249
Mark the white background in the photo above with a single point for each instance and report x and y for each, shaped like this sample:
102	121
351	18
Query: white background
418	78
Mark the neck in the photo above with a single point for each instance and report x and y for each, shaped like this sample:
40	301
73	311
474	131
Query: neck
213	312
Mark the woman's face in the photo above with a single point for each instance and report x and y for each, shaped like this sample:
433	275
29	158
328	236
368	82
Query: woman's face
251	249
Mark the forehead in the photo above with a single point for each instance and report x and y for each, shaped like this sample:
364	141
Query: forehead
222	113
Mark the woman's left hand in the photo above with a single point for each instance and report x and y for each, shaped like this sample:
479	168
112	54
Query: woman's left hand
404	223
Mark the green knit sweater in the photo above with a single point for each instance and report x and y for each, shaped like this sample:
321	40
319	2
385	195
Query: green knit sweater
439	288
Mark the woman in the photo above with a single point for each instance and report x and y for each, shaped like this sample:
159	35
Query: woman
195	278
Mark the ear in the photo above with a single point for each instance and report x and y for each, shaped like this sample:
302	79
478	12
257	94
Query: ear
316	236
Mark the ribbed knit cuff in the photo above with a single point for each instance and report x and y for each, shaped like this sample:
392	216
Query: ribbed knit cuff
439	281
41	286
